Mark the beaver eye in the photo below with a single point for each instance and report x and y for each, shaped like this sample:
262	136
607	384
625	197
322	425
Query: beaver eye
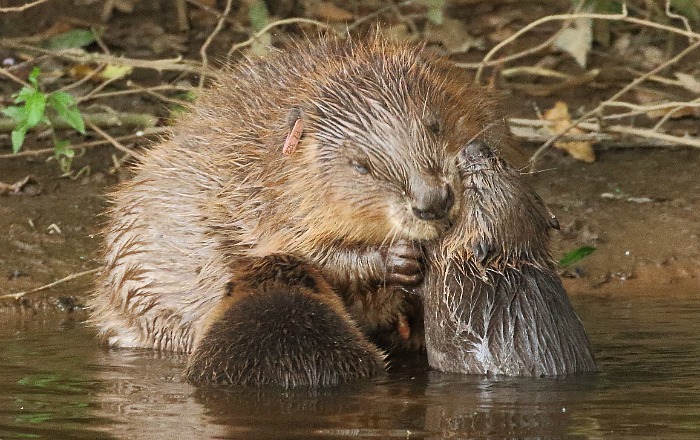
359	167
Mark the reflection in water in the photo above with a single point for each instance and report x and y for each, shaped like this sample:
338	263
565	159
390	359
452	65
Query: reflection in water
57	383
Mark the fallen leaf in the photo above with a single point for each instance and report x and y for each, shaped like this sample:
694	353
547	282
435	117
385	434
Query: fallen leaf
399	33
689	82
653	98
115	71
576	40
561	121
453	36
327	11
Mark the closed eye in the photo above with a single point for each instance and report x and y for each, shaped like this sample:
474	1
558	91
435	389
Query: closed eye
361	168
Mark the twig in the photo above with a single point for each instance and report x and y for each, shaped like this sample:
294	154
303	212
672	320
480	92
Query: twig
80	56
118	145
83	145
210	38
138	89
84	79
599	134
376	13
23	7
542	20
621	92
7	73
112	119
267	28
50	285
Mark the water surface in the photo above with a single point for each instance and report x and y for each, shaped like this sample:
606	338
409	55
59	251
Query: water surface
56	383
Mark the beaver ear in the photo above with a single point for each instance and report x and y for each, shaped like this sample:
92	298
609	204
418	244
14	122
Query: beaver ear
552	220
295	113
295	122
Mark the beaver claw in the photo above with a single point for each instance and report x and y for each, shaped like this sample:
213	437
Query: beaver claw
404	263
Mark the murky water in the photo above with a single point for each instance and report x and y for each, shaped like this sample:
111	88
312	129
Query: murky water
55	383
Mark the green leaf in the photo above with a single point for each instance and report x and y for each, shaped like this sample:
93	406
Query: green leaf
18	137
15	112
574	256
67	109
24	94
435	10
71	39
60	149
258	15
34	77
34	108
689	8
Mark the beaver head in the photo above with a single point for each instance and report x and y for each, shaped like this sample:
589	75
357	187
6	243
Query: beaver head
383	126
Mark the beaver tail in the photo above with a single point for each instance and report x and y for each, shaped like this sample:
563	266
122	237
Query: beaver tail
281	324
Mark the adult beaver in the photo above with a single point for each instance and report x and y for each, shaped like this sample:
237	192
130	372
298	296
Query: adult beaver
373	174
493	301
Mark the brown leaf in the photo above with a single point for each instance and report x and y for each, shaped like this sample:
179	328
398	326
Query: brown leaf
561	121
327	11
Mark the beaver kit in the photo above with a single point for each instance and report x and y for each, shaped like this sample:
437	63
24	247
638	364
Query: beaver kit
281	235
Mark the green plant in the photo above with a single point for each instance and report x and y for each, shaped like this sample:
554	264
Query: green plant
31	110
576	255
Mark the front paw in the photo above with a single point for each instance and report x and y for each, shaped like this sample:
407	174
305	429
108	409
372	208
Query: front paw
404	263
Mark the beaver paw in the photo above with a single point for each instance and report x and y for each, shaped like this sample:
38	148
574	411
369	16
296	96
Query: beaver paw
404	264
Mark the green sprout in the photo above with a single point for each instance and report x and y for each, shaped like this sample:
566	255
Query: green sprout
31	110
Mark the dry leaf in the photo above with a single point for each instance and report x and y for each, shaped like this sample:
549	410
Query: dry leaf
399	33
689	82
327	11
652	98
115	71
561	121
110	72
576	40
453	36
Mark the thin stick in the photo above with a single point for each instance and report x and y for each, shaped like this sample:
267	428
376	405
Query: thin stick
118	145
139	89
50	285
621	92
7	73
84	145
262	31
210	38
78	55
23	7
536	23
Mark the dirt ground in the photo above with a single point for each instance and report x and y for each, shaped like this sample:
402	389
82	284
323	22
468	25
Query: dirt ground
639	207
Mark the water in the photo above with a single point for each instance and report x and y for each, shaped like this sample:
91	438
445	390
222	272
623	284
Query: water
56	383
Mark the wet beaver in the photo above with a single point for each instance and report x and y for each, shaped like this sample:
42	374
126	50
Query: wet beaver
372	176
494	303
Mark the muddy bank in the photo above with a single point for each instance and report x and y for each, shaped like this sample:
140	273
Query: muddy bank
639	208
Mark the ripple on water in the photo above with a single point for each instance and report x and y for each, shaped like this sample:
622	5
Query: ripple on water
57	383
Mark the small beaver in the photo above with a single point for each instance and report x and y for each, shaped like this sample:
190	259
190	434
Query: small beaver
493	301
372	176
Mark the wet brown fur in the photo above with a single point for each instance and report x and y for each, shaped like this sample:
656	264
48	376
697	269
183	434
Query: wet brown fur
281	324
494	303
383	125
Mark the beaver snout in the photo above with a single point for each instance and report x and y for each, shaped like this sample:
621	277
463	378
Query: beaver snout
431	202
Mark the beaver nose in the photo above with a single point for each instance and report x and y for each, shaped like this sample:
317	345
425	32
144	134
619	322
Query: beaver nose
433	203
